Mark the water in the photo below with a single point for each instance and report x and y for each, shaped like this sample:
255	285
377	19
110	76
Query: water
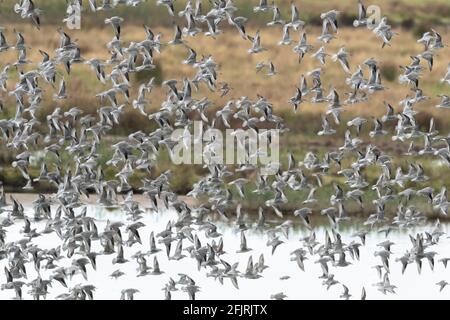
300	285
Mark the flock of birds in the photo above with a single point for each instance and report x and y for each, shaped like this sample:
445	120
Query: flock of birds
80	135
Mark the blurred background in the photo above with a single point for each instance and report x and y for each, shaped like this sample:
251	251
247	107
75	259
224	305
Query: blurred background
409	18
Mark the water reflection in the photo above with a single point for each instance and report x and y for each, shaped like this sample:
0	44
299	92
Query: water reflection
297	284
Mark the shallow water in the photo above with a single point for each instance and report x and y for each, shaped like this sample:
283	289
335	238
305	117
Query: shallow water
300	285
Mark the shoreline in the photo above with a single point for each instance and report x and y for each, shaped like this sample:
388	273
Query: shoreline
252	209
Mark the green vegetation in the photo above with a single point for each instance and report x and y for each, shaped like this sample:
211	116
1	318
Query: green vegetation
82	85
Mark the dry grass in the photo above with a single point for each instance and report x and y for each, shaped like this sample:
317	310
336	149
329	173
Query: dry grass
237	67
